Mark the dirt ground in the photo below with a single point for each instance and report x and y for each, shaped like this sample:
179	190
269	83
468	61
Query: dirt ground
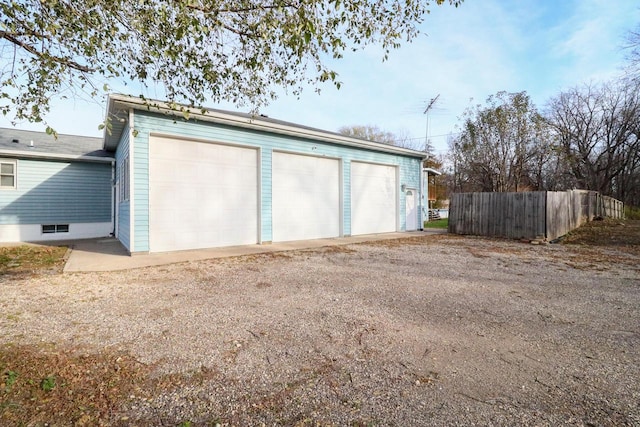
435	330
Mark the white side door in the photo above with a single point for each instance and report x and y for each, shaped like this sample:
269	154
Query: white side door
411	210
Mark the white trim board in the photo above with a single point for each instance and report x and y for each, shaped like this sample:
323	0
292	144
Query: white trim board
33	232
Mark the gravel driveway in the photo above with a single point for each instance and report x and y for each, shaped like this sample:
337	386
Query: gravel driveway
440	330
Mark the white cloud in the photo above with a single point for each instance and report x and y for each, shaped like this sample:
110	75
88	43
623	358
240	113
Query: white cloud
587	44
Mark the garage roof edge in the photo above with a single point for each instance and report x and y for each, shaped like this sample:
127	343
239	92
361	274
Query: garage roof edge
118	104
52	156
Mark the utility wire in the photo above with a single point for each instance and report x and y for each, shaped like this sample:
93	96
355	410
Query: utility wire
435	136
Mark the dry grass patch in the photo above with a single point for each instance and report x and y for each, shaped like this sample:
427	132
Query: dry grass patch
624	235
50	386
43	386
261	257
31	259
426	239
596	245
338	249
593	258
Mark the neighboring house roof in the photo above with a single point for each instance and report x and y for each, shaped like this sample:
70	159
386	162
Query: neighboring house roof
40	145
119	106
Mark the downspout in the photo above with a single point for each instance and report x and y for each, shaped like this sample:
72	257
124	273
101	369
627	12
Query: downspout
422	197
113	198
425	177
130	183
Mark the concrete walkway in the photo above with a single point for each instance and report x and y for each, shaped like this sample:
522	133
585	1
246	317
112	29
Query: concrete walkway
109	255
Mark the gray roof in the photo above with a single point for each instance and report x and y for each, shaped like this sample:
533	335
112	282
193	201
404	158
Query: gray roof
66	146
118	108
264	118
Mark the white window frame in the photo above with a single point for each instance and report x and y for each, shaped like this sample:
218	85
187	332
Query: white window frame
15	174
54	228
124	179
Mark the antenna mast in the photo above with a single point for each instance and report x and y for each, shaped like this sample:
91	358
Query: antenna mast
431	104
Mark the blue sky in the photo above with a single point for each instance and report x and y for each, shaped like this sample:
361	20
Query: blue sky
465	55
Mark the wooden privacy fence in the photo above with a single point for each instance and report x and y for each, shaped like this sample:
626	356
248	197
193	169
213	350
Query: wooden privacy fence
530	215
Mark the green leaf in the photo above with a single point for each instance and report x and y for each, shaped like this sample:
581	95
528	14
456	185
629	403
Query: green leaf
10	380
190	51
48	383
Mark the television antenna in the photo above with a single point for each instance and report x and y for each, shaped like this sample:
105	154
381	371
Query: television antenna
430	106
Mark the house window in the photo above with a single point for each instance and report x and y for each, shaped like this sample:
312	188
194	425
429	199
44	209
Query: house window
124	179
7	174
55	228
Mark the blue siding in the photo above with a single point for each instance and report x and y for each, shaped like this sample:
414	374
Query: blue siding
140	190
124	222
124	215
58	192
147	122
140	181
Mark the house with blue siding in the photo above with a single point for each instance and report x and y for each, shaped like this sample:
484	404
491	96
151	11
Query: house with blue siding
54	189
223	179
165	180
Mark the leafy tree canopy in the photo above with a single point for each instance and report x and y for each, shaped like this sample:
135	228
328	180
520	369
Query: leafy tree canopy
193	50
502	144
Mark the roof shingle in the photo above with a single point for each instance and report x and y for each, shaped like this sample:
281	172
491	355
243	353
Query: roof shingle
65	145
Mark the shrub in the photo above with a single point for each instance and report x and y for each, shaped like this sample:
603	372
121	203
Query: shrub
632	212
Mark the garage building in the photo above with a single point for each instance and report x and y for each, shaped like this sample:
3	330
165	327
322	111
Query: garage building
225	179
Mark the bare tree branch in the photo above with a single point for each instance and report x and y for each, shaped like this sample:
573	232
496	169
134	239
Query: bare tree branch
45	55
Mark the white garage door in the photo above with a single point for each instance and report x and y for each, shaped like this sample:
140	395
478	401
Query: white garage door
201	195
373	198
306	197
